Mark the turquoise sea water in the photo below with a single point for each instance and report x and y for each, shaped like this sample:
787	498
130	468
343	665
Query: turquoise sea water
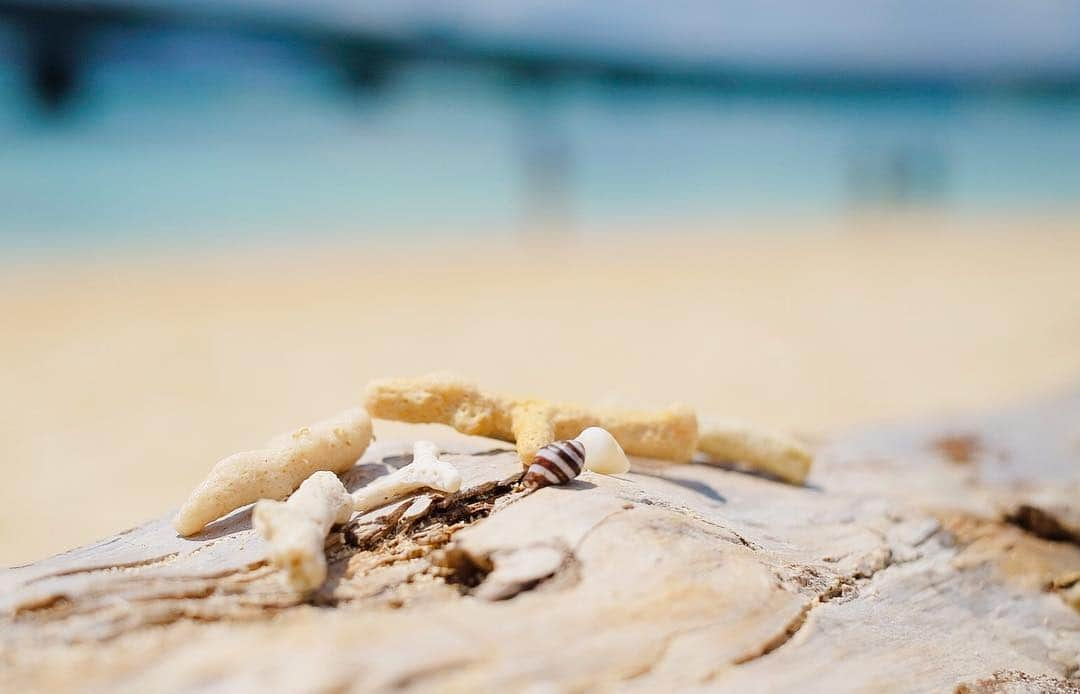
152	156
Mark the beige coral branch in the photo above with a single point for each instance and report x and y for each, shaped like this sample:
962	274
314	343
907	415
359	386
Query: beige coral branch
669	434
759	449
296	529
274	472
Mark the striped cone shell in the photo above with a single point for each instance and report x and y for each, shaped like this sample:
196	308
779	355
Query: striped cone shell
555	463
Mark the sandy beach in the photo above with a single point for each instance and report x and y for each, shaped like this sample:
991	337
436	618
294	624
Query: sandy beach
126	377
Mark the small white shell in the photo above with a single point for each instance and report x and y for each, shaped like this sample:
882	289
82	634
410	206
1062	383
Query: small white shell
603	453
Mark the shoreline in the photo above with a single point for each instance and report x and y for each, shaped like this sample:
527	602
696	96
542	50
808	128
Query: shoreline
752	229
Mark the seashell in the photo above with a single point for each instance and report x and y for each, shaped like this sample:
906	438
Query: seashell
555	463
603	453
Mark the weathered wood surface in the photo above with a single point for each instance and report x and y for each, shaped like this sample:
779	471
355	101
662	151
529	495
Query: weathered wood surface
917	558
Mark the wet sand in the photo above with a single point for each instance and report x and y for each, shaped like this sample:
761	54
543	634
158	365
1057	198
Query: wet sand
126	377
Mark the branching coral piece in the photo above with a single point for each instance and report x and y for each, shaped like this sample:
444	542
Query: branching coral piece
275	471
759	449
296	529
441	398
426	471
669	434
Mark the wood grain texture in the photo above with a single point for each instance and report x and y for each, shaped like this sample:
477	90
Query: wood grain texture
908	562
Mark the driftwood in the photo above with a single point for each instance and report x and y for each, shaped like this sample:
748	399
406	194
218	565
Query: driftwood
933	557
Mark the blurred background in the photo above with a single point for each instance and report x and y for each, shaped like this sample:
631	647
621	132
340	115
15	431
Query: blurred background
218	220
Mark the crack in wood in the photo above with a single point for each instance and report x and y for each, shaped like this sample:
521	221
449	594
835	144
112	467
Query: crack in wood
1042	523
840	586
142	563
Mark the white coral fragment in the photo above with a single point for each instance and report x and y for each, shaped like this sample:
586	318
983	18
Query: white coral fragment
426	471
296	529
